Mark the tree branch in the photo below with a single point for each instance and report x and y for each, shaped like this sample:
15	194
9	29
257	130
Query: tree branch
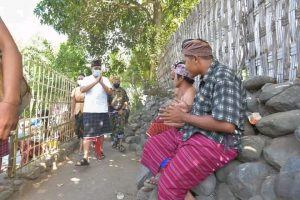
133	4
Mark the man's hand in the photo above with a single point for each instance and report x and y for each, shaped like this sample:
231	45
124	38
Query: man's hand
99	79
8	119
171	114
107	89
120	112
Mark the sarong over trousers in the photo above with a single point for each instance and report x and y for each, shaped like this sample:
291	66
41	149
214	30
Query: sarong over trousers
191	161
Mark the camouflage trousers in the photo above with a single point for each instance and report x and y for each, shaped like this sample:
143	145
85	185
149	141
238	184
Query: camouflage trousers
117	122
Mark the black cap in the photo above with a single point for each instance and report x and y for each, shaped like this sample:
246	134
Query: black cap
96	63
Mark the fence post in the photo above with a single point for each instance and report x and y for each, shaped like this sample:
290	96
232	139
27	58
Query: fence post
11	169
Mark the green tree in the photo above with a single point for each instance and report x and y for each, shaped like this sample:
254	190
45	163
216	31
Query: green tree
116	64
98	25
38	58
41	64
39	51
70	60
108	27
141	26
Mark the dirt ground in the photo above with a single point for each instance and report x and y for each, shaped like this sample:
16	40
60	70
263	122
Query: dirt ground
102	180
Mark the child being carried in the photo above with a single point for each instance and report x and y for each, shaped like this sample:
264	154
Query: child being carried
184	98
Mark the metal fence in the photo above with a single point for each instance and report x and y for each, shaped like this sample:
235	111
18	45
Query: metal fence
261	36
45	123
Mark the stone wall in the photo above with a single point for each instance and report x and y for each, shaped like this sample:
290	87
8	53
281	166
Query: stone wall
259	36
268	168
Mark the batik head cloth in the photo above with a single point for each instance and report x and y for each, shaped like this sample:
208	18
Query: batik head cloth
197	48
180	69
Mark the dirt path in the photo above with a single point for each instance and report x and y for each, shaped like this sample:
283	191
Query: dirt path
102	180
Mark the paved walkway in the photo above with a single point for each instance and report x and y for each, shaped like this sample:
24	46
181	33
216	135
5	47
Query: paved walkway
102	180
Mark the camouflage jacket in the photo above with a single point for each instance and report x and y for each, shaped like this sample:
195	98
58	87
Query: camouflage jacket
118	98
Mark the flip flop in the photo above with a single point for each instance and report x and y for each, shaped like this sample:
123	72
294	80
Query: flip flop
190	195
150	183
153	180
194	194
114	145
82	162
100	157
148	187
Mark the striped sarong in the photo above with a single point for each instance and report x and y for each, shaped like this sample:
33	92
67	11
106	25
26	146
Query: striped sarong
95	125
191	161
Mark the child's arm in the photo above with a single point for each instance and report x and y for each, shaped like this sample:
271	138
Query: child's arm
182	106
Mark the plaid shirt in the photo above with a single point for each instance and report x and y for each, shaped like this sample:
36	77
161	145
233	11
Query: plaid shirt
222	96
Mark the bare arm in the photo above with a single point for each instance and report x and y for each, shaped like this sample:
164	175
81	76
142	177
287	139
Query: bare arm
73	103
12	66
107	89
86	88
185	105
12	77
189	96
125	105
207	122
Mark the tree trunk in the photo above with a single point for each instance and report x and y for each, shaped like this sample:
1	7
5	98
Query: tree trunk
157	13
157	17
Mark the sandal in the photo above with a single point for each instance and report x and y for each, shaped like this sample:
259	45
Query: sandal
150	183
194	194
114	145
148	187
100	157
82	162
191	195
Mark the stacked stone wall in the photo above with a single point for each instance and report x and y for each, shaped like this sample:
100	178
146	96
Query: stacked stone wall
268	167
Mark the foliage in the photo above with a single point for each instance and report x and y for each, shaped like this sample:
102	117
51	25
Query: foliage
101	26
110	27
39	51
98	25
39	62
38	58
70	60
117	64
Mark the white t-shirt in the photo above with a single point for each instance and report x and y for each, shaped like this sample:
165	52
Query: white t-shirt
96	98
